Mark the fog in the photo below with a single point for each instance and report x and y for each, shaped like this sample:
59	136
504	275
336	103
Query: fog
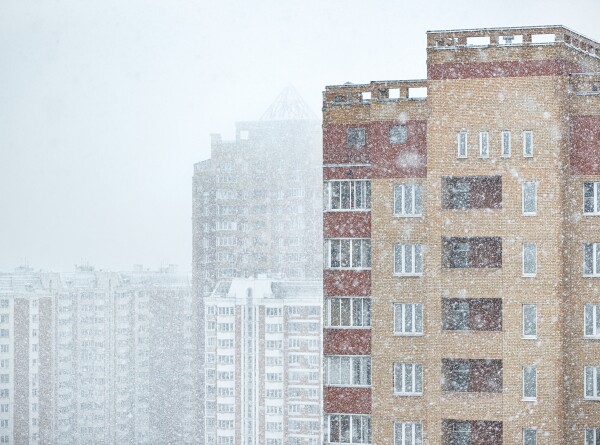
105	106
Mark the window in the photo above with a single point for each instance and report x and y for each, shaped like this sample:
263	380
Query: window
528	144
591	259
591	198
529	383
484	144
347	195
592	436
529	260
347	370
591	320
529	321
348	428
348	312
348	253
473	252
408	378
462	144
475	375
408	259
529	190
471	432
408	319
398	134
408	433
471	192
472	314
408	200
506	144
356	137
592	382
529	436
456	432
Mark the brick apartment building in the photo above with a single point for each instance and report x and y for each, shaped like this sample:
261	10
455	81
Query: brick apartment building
461	218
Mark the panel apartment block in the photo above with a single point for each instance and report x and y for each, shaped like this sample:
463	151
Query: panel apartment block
462	256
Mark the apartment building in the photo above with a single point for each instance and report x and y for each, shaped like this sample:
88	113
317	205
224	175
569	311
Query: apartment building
263	362
462	259
97	357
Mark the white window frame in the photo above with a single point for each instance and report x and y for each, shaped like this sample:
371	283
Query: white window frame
523	188
595	387
408	433
417	376
595	260
524	255
505	142
415	253
400	312
595	197
595	434
527	440
365	253
524	309
339	370
356	188
365	422
354	302
529	398
462	144
416	190
527	133
594	312
484	144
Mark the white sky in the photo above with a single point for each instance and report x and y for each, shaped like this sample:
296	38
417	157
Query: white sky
106	105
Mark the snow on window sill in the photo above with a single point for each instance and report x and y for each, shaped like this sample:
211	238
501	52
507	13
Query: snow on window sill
347	327
529	337
591	337
591	213
408	334
408	394
529	275
529	399
597	398
396	274
405	215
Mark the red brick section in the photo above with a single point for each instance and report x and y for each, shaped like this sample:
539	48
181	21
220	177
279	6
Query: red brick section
347	225
347	400
330	173
585	145
347	341
336	149
21	366
351	283
408	160
45	374
520	68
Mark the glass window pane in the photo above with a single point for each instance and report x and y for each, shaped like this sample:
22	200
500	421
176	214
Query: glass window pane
345	429
418	200
596	312
588	317
408	199
367	194
398	199
589	381
345	311
398	318
366	253
345	370
408	317
398	376
419	318
345	195
418	259
408	377
588	257
345	253
334	428
398	264
335	195
356	429
596	265
418	378
408	263
357	309
334	311
334	370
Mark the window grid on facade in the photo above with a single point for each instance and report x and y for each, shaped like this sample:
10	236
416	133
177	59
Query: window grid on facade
398	134
592	382
408	378
348	253
529	383
529	436
348	312
591	320
462	144
591	259
529	198
348	428
408	319
347	195
484	144
528	143
408	259
592	436
356	137
408	200
529	260
529	321
505	135
347	370
591	198
408	433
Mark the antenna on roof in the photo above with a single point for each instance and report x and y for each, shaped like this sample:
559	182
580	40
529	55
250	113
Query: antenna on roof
288	106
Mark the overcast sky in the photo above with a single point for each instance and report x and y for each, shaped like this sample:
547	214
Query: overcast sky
106	105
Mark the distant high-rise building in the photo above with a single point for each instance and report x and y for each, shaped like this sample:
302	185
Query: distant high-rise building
462	245
263	363
257	202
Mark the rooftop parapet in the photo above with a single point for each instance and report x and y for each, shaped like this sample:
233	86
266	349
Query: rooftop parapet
508	37
381	91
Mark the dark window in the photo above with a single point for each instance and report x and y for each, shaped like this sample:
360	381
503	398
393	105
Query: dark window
471	432
472	192
472	314
356	137
398	134
480	375
474	252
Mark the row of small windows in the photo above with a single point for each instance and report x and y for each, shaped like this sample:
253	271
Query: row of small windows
484	144
356	136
